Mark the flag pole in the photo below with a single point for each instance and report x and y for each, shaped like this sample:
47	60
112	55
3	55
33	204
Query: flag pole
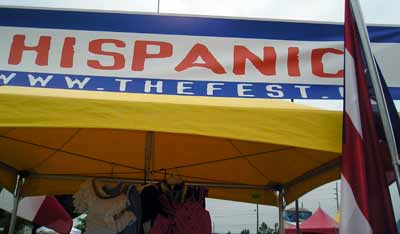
377	86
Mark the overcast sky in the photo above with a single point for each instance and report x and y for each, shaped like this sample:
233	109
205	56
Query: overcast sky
376	11
235	216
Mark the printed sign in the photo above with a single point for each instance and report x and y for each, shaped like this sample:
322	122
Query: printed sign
177	55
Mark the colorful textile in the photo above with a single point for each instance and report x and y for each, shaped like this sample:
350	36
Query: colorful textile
151	206
104	215
135	206
186	218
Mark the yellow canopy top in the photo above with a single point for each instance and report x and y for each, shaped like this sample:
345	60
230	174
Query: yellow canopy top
261	144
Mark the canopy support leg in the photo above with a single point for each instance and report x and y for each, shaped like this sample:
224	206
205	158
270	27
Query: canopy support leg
281	209
257	219
148	154
297	217
17	196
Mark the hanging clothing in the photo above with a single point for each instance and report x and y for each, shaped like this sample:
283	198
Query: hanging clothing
109	210
151	206
135	206
182	213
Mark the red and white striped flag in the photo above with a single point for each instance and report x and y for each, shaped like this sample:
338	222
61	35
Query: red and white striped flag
44	211
366	205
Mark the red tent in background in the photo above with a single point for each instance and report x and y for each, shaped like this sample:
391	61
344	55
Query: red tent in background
318	223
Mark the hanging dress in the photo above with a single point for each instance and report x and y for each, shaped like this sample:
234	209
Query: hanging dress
182	217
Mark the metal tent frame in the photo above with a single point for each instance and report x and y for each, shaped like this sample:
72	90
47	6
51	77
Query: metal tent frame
22	176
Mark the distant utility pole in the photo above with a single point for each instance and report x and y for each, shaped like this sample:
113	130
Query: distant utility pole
297	217
337	196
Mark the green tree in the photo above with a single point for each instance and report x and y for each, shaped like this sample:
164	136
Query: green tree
81	224
265	229
245	231
276	228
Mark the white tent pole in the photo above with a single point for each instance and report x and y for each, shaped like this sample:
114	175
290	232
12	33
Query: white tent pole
377	86
281	210
17	196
